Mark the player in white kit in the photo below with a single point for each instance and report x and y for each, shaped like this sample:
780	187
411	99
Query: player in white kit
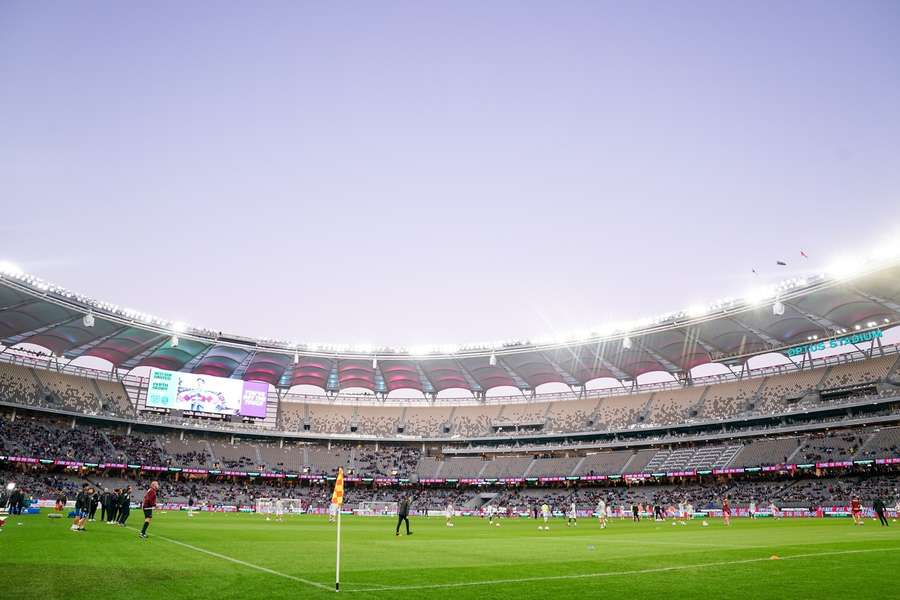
450	512
601	513
573	517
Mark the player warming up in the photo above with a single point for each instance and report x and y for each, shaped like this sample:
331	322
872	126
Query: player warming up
856	510
545	514
726	511
450	515
147	505
601	513
573	517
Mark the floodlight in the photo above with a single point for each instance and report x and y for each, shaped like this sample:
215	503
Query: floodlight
88	320
174	341
778	308
13	270
626	343
374	362
493	360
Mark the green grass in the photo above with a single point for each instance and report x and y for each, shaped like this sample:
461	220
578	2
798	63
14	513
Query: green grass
833	559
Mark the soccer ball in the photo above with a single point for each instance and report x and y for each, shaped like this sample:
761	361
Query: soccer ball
498	524
673	523
449	524
705	524
539	528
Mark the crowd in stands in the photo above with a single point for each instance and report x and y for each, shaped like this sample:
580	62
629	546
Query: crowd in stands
781	393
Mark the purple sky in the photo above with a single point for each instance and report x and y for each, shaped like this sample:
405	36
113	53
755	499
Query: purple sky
421	172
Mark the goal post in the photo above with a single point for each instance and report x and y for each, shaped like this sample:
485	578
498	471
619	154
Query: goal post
271	506
377	509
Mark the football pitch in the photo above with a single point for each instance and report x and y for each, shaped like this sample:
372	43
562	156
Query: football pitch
244	556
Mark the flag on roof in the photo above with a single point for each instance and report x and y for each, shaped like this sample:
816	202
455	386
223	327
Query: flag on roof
338	496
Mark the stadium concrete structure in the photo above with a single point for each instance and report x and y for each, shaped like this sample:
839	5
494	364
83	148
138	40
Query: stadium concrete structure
838	412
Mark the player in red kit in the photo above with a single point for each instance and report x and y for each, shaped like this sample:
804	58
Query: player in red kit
148	505
726	511
856	510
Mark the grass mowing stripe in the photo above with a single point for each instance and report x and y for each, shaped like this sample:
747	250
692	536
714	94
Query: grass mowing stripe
241	562
463	584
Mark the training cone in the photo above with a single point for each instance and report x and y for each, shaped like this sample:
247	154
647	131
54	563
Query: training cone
774	557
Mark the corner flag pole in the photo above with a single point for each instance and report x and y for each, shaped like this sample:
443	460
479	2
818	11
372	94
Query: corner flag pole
337	499
337	568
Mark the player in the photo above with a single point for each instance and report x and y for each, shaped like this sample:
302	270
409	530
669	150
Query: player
279	510
751	511
726	511
60	501
148	504
545	513
82	501
681	512
450	513
489	511
689	510
332	512
856	510
773	510
601	513
573	517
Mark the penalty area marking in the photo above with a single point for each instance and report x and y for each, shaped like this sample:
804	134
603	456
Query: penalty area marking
241	562
463	584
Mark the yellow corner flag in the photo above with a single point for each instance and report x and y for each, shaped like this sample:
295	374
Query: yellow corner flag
338	496
337	499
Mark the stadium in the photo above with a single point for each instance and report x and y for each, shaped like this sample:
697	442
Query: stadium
800	439
430	300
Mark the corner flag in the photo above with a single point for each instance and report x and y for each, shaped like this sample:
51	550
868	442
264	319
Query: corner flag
338	496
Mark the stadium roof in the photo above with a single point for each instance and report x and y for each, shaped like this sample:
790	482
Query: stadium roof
773	319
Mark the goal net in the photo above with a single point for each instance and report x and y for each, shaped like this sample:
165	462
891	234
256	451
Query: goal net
271	506
377	509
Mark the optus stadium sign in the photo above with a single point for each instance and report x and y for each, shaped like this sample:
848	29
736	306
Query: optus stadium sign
856	338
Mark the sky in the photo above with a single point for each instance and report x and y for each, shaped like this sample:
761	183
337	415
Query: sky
413	173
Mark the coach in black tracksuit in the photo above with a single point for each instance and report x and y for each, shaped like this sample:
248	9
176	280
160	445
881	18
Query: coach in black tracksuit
104	505
403	515
879	510
94	501
124	505
112	512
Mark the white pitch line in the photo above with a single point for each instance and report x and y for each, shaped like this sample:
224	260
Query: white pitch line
242	562
615	573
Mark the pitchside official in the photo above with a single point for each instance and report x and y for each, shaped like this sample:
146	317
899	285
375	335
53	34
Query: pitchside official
403	515
148	505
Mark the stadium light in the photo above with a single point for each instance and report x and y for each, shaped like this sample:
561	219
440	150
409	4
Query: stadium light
11	269
374	362
88	319
296	358
845	267
493	360
695	312
174	341
778	308
626	343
